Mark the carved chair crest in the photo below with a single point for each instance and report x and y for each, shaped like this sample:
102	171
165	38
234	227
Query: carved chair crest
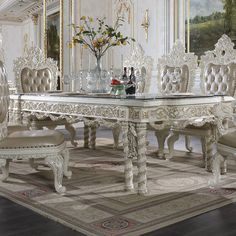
143	68
176	70
4	101
34	72
218	68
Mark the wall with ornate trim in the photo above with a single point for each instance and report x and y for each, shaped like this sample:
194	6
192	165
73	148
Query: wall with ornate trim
166	19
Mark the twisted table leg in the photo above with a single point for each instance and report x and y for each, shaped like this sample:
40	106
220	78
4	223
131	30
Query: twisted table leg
128	169
93	136
210	152
86	136
141	150
4	165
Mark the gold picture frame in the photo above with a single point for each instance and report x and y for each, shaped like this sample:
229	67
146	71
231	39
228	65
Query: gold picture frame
61	35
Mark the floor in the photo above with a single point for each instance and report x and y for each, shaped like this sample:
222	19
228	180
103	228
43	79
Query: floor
16	220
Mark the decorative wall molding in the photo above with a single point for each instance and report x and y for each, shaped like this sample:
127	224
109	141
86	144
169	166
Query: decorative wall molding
27	13
124	8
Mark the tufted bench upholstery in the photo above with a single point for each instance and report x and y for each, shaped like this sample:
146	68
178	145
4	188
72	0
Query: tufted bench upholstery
174	79
33	80
218	79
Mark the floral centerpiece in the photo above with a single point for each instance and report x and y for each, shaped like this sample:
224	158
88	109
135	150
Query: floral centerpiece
98	37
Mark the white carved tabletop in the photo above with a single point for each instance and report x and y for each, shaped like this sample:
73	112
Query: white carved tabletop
133	115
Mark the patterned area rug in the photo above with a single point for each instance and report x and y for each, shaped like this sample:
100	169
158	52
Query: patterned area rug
96	204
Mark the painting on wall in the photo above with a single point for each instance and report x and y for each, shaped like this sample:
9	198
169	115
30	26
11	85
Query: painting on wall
206	21
53	36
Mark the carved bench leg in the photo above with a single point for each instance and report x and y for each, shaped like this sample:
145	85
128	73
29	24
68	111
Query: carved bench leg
71	129
56	163
161	136
4	165
187	143
173	137
67	173
128	169
86	136
141	150
116	135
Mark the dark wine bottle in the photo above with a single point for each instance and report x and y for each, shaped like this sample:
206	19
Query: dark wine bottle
131	83
124	76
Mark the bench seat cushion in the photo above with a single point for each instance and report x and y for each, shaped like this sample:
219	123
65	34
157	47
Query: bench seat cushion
32	139
228	139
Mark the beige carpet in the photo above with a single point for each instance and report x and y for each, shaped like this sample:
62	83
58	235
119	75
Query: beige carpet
95	203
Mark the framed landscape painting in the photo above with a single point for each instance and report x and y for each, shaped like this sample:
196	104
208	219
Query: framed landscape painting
53	36
206	21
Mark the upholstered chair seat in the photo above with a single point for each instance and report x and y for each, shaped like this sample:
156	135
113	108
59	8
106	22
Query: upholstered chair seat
23	144
36	74
228	140
15	128
32	139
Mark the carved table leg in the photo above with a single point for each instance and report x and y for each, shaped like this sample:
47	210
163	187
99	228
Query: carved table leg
67	173
116	135
141	150
93	136
4	165
161	136
187	143
86	136
56	163
203	143
210	152
71	129
128	161
173	137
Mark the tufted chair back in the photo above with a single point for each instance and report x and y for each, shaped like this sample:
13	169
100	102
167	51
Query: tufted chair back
176	70
4	101
143	68
34	73
218	69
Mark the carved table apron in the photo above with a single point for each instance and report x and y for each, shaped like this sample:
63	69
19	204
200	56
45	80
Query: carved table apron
132	115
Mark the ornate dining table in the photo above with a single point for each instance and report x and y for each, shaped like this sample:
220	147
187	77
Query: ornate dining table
133	114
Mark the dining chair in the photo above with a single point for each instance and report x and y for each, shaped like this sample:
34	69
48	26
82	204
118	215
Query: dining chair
36	74
218	77
176	72
30	144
